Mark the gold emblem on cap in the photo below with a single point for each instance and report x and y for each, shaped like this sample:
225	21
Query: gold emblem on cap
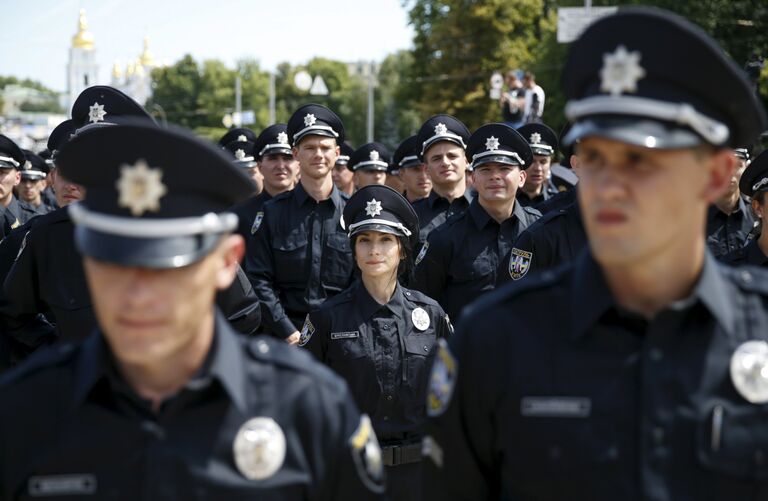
492	143
441	129
309	120
96	113
535	138
374	155
282	138
259	448
621	71
749	371
420	319
140	188
373	207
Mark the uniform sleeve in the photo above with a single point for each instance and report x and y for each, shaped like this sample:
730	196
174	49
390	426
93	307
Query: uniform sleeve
259	266
21	310
430	274
315	333
460	463
240	305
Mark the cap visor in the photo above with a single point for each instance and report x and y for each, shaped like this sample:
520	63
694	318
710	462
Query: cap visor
155	253
381	228
638	132
494	159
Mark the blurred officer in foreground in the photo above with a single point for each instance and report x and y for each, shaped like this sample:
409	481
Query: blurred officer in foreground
729	219
538	185
381	336
458	262
278	168
14	212
369	164
411	170
342	175
639	372
33	182
442	141
754	184
47	275
166	382
299	255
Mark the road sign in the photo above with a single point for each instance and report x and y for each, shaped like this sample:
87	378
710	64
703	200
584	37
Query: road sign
572	21
318	87
302	80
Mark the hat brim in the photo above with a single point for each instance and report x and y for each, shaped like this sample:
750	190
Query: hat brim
495	159
371	168
635	131
314	132
381	228
277	151
34	177
154	253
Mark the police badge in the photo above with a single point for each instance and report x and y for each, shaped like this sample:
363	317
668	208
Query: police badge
420	319
259	448
366	454
441	380
519	263
306	332
257	222
749	371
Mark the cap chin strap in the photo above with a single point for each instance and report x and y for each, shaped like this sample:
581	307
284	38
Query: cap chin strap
759	184
714	132
9	160
385	222
152	228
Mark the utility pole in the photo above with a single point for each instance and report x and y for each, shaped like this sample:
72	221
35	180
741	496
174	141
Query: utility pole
238	101
272	113
371	84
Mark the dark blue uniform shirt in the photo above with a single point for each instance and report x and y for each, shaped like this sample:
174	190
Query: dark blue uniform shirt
728	232
434	210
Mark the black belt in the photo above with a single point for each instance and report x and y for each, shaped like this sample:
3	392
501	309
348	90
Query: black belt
394	455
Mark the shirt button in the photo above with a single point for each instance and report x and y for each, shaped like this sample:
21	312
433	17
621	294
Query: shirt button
389	398
426	348
656	354
386	327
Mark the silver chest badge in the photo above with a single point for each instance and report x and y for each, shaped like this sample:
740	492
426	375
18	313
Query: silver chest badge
259	448
420	319
749	371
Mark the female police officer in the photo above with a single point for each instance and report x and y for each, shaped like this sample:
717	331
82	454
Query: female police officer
379	335
754	184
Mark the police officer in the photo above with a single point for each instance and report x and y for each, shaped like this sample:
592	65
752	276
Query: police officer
244	157
458	262
165	401
278	169
33	182
237	134
379	335
14	212
643	375
411	170
47	276
729	220
300	255
342	176
442	140
393	178
538	183
369	164
754	184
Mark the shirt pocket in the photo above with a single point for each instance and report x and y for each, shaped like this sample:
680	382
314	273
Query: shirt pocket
337	262
419	353
468	268
351	359
291	257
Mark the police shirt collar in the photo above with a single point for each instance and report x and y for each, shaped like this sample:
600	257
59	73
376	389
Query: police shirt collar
367	306
591	297
301	195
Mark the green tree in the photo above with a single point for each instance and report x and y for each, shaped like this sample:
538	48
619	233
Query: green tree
176	89
396	117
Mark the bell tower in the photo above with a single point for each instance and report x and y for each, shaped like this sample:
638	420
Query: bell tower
82	70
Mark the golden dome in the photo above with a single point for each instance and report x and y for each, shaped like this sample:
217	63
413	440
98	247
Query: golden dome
84	38
147	58
117	71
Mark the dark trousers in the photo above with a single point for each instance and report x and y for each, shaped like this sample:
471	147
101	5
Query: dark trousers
404	482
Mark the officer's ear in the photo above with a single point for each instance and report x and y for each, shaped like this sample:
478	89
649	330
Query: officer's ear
231	251
719	166
18	178
757	206
523	177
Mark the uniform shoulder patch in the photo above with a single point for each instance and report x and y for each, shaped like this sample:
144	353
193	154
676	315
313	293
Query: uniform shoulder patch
22	246
257	222
519	263
442	380
366	454
307	331
422	253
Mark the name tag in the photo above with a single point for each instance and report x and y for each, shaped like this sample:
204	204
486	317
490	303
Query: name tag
345	335
557	407
62	485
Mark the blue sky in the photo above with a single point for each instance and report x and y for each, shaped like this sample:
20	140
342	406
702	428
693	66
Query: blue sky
37	34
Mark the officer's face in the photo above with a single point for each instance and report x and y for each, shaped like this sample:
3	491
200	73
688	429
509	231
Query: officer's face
279	171
148	315
640	204
66	192
316	156
8	179
377	254
446	163
538	172
367	177
342	177
393	181
416	181
29	189
497	182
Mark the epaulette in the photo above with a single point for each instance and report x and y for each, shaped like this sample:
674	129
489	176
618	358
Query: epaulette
418	297
532	211
277	352
749	278
41	359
